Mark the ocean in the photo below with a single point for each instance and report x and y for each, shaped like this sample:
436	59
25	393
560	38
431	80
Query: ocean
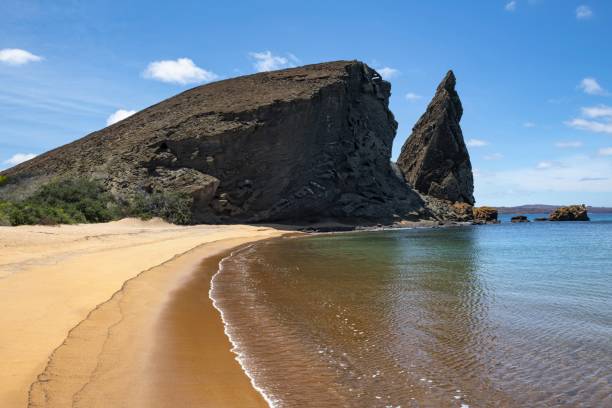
508	315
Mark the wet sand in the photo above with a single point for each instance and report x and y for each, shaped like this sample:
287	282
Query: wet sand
99	309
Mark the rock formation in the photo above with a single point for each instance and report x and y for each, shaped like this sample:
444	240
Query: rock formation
570	213
444	210
435	160
305	144
485	214
519	218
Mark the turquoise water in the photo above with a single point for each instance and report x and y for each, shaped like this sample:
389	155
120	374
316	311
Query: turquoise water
509	315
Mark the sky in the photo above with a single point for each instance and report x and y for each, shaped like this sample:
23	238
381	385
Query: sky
534	75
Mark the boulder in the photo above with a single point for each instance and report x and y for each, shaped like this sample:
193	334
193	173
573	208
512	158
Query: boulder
485	214
306	144
444	210
570	213
434	159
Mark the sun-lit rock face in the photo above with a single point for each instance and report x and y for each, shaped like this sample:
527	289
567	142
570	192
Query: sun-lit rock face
570	213
435	160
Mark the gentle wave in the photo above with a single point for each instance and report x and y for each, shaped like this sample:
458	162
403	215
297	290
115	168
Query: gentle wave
474	316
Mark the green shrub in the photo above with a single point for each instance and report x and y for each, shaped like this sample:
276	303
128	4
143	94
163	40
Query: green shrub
62	202
172	207
5	214
3	180
72	201
85	201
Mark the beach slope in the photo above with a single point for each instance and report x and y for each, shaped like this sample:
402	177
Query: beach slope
84	309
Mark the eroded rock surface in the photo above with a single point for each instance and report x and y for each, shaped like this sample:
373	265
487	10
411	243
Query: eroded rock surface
435	160
570	213
304	144
485	214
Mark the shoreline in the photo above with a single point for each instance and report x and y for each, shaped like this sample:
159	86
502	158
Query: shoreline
65	256
235	349
82	304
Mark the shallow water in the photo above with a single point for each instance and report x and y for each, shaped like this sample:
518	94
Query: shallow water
506	315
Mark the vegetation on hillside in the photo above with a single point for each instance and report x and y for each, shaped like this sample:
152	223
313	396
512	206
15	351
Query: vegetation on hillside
87	201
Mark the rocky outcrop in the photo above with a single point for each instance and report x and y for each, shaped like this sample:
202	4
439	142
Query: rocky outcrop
519	218
485	215
444	210
306	144
435	160
570	213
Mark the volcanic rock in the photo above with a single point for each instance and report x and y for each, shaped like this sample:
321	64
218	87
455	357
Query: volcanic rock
485	214
306	144
435	160
570	213
444	210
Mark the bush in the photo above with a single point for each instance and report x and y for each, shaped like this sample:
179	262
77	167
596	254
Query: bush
3	180
62	202
5	211
172	207
87	201
73	201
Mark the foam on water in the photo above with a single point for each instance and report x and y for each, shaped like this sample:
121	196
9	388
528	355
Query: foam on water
236	349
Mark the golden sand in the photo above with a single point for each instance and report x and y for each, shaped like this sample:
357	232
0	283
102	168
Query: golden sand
90	306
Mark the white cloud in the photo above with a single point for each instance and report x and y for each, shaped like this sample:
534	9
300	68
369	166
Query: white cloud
569	144
412	97
494	156
181	71
15	56
266	61
606	151
601	111
529	124
573	174
584	12
19	158
591	86
119	116
547	164
510	6
388	72
602	124
590	125
477	143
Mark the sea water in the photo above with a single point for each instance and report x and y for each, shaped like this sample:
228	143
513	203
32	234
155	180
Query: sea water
509	315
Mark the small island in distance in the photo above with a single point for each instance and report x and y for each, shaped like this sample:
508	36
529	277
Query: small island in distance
545	208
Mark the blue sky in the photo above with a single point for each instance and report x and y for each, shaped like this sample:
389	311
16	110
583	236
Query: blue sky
534	75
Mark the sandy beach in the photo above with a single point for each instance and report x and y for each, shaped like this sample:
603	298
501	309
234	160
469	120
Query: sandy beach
98	315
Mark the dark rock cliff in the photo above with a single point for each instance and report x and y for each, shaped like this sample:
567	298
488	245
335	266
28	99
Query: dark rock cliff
305	144
435	160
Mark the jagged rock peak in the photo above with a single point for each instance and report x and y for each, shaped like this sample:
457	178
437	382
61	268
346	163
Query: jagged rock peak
435	160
